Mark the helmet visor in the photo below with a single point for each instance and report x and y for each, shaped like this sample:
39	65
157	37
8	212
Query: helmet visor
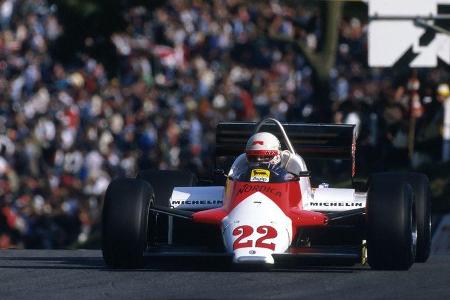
257	156
258	159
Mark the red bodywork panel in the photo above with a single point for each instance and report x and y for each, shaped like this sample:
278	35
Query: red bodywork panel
286	195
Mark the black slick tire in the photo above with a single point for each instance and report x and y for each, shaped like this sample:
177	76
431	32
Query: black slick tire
125	222
391	223
422	199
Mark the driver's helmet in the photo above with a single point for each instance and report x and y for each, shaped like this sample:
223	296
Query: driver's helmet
263	147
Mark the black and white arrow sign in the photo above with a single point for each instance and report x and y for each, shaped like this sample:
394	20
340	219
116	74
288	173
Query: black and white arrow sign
403	32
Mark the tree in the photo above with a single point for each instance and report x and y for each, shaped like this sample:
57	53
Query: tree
323	59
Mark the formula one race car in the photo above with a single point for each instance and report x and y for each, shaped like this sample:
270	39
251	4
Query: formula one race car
258	213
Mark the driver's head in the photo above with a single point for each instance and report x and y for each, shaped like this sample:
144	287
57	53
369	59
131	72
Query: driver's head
263	147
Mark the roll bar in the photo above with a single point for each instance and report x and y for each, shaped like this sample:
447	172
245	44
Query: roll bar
283	132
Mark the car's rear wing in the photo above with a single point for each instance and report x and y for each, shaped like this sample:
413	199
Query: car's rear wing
323	141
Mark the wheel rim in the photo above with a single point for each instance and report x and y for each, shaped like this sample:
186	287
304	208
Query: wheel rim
150	224
429	222
413	230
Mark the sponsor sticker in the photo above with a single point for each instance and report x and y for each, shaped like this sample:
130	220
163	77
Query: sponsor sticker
260	175
248	188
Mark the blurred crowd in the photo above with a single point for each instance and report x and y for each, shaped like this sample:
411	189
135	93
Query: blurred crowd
66	129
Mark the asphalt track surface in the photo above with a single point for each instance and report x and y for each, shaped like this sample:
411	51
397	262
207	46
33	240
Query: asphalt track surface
81	274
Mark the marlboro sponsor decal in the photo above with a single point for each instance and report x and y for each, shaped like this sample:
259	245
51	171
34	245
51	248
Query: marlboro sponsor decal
260	175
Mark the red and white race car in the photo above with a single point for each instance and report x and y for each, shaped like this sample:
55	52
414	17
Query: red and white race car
260	214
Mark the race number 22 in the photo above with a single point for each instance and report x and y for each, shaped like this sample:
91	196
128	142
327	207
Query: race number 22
245	231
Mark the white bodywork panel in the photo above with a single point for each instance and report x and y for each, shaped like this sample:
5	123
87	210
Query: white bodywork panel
293	163
332	199
257	212
197	197
239	163
321	199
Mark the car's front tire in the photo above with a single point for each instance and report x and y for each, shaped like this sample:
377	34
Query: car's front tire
125	222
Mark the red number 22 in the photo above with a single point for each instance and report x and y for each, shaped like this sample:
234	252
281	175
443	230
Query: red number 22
245	231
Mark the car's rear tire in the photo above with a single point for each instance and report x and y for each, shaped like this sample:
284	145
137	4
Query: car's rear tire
422	199
391	223
125	222
163	182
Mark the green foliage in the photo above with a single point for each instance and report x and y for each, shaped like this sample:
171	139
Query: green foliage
439	175
84	8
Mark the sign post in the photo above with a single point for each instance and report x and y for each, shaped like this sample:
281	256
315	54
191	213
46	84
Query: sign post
412	33
415	34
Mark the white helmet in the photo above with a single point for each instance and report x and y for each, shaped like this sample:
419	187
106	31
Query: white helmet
263	147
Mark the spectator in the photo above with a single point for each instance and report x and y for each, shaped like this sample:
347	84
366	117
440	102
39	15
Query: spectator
67	129
444	97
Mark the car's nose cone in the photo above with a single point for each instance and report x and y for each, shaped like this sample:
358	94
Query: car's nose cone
255	229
